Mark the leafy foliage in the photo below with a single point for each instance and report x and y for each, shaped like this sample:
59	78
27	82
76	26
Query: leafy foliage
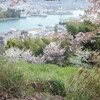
72	28
80	58
54	54
94	46
10	13
10	43
36	45
76	27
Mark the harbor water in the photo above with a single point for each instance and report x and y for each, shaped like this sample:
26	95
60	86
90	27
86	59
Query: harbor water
36	22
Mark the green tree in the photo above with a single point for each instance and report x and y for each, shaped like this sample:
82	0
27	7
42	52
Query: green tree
11	13
1	15
11	43
72	28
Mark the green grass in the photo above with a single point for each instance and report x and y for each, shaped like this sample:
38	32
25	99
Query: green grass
47	72
23	79
22	76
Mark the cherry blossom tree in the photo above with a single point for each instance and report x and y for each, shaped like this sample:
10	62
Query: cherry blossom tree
96	6
12	2
94	11
54	54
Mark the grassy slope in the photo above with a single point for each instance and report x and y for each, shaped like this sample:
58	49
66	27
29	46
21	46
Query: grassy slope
52	72
46	71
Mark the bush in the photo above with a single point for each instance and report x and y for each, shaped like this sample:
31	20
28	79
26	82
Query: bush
94	46
72	28
54	54
85	26
46	40
13	54
16	55
36	45
88	23
89	28
65	43
95	58
10	43
80	58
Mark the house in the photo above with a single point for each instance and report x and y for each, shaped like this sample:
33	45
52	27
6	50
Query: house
2	40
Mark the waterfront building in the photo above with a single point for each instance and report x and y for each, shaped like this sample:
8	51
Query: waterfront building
2	40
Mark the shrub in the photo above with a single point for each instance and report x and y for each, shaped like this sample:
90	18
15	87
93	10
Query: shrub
20	44
46	40
36	45
95	58
82	28
72	28
11	43
85	26
87	22
13	54
65	43
80	58
94	46
38	60
54	54
16	55
89	28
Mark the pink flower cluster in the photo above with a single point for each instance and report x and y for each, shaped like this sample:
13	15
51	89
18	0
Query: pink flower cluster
52	53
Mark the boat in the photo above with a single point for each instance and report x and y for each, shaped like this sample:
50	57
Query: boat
40	25
62	22
23	15
13	29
